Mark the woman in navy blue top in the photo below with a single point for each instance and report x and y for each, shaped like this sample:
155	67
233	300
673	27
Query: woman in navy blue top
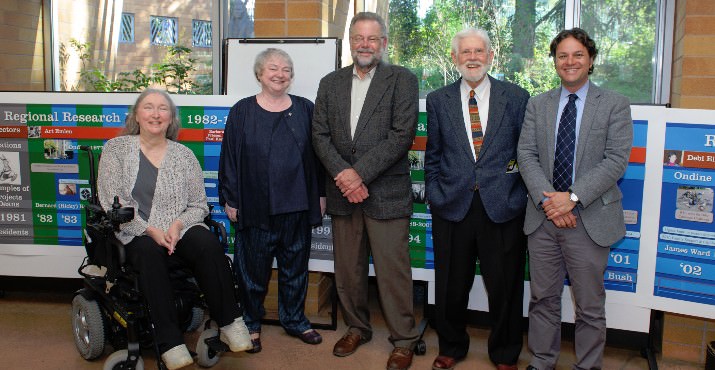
269	187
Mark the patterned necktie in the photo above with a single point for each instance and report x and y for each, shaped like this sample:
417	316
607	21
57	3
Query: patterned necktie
477	134
565	145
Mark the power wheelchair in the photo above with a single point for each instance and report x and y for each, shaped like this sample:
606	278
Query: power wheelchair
110	308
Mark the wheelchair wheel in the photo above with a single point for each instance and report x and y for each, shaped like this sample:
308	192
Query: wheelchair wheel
197	318
88	327
118	361
206	356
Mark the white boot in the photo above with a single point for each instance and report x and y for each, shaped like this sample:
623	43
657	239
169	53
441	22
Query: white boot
177	357
236	335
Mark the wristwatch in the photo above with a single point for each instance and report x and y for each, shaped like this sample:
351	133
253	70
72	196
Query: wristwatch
573	197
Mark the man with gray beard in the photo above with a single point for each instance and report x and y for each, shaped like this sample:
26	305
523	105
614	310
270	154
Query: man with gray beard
477	200
364	123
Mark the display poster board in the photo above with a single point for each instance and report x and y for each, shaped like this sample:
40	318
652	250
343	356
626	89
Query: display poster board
665	262
312	58
685	267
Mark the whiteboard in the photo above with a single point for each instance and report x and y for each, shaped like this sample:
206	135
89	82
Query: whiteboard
312	59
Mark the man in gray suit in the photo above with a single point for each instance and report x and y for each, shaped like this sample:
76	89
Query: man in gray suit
574	147
363	126
477	200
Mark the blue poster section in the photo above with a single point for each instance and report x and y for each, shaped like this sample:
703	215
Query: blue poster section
685	262
622	270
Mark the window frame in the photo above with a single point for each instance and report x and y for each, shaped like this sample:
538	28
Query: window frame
203	25
121	28
175	35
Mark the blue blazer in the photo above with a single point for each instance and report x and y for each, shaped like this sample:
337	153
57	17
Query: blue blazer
450	170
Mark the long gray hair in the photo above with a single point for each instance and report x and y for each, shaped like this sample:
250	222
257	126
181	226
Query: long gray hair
131	126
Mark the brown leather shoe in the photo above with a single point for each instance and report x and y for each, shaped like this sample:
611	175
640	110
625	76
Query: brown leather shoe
348	344
444	363
506	367
400	359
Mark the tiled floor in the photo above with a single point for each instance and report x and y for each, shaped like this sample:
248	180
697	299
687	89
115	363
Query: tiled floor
36	333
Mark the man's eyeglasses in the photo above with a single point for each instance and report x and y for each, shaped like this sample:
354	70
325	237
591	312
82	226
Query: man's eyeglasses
360	39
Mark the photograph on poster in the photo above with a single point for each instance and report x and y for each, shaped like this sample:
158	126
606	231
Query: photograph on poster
10	168
418	192
672	157
67	189
694	204
58	149
417	160
85	193
34	131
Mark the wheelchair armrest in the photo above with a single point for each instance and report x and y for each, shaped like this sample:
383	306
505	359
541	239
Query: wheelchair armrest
121	251
218	229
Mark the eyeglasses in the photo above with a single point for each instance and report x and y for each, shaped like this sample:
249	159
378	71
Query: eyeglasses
478	52
371	40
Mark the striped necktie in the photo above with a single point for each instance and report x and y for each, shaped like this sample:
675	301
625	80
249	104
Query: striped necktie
477	134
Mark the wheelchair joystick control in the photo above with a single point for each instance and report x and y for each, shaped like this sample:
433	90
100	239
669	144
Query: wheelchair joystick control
118	214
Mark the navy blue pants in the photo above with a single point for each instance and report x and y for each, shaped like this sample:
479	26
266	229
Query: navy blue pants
288	241
200	251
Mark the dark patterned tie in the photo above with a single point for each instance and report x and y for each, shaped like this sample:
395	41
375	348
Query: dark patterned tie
565	145
477	135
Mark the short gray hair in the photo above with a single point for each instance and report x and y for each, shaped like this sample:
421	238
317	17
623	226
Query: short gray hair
131	126
468	32
263	56
369	16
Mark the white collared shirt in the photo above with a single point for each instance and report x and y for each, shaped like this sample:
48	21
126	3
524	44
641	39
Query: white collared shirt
481	93
358	92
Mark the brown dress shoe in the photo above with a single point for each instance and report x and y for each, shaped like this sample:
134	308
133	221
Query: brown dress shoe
444	363
400	359
507	367
348	344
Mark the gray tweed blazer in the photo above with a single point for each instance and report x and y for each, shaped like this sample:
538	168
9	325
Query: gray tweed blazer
383	137
179	194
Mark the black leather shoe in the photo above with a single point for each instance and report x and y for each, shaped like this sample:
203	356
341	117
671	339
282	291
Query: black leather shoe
256	345
310	337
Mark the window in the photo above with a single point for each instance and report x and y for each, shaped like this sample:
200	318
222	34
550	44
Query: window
146	44
625	32
126	32
201	35
421	33
163	31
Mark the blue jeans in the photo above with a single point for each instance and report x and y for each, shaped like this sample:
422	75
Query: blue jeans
288	241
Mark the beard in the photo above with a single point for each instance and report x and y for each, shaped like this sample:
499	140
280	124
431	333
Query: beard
367	61
473	75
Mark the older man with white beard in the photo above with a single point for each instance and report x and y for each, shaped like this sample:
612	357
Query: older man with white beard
477	200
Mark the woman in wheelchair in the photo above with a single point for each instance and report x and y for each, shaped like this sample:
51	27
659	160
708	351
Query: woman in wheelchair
162	179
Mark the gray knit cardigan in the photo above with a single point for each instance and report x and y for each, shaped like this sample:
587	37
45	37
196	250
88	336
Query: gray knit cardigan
179	194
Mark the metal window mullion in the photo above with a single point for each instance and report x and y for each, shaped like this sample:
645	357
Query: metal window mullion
572	14
51	45
663	60
220	16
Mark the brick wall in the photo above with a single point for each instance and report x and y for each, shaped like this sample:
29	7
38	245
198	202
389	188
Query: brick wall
22	53
693	79
300	18
693	86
